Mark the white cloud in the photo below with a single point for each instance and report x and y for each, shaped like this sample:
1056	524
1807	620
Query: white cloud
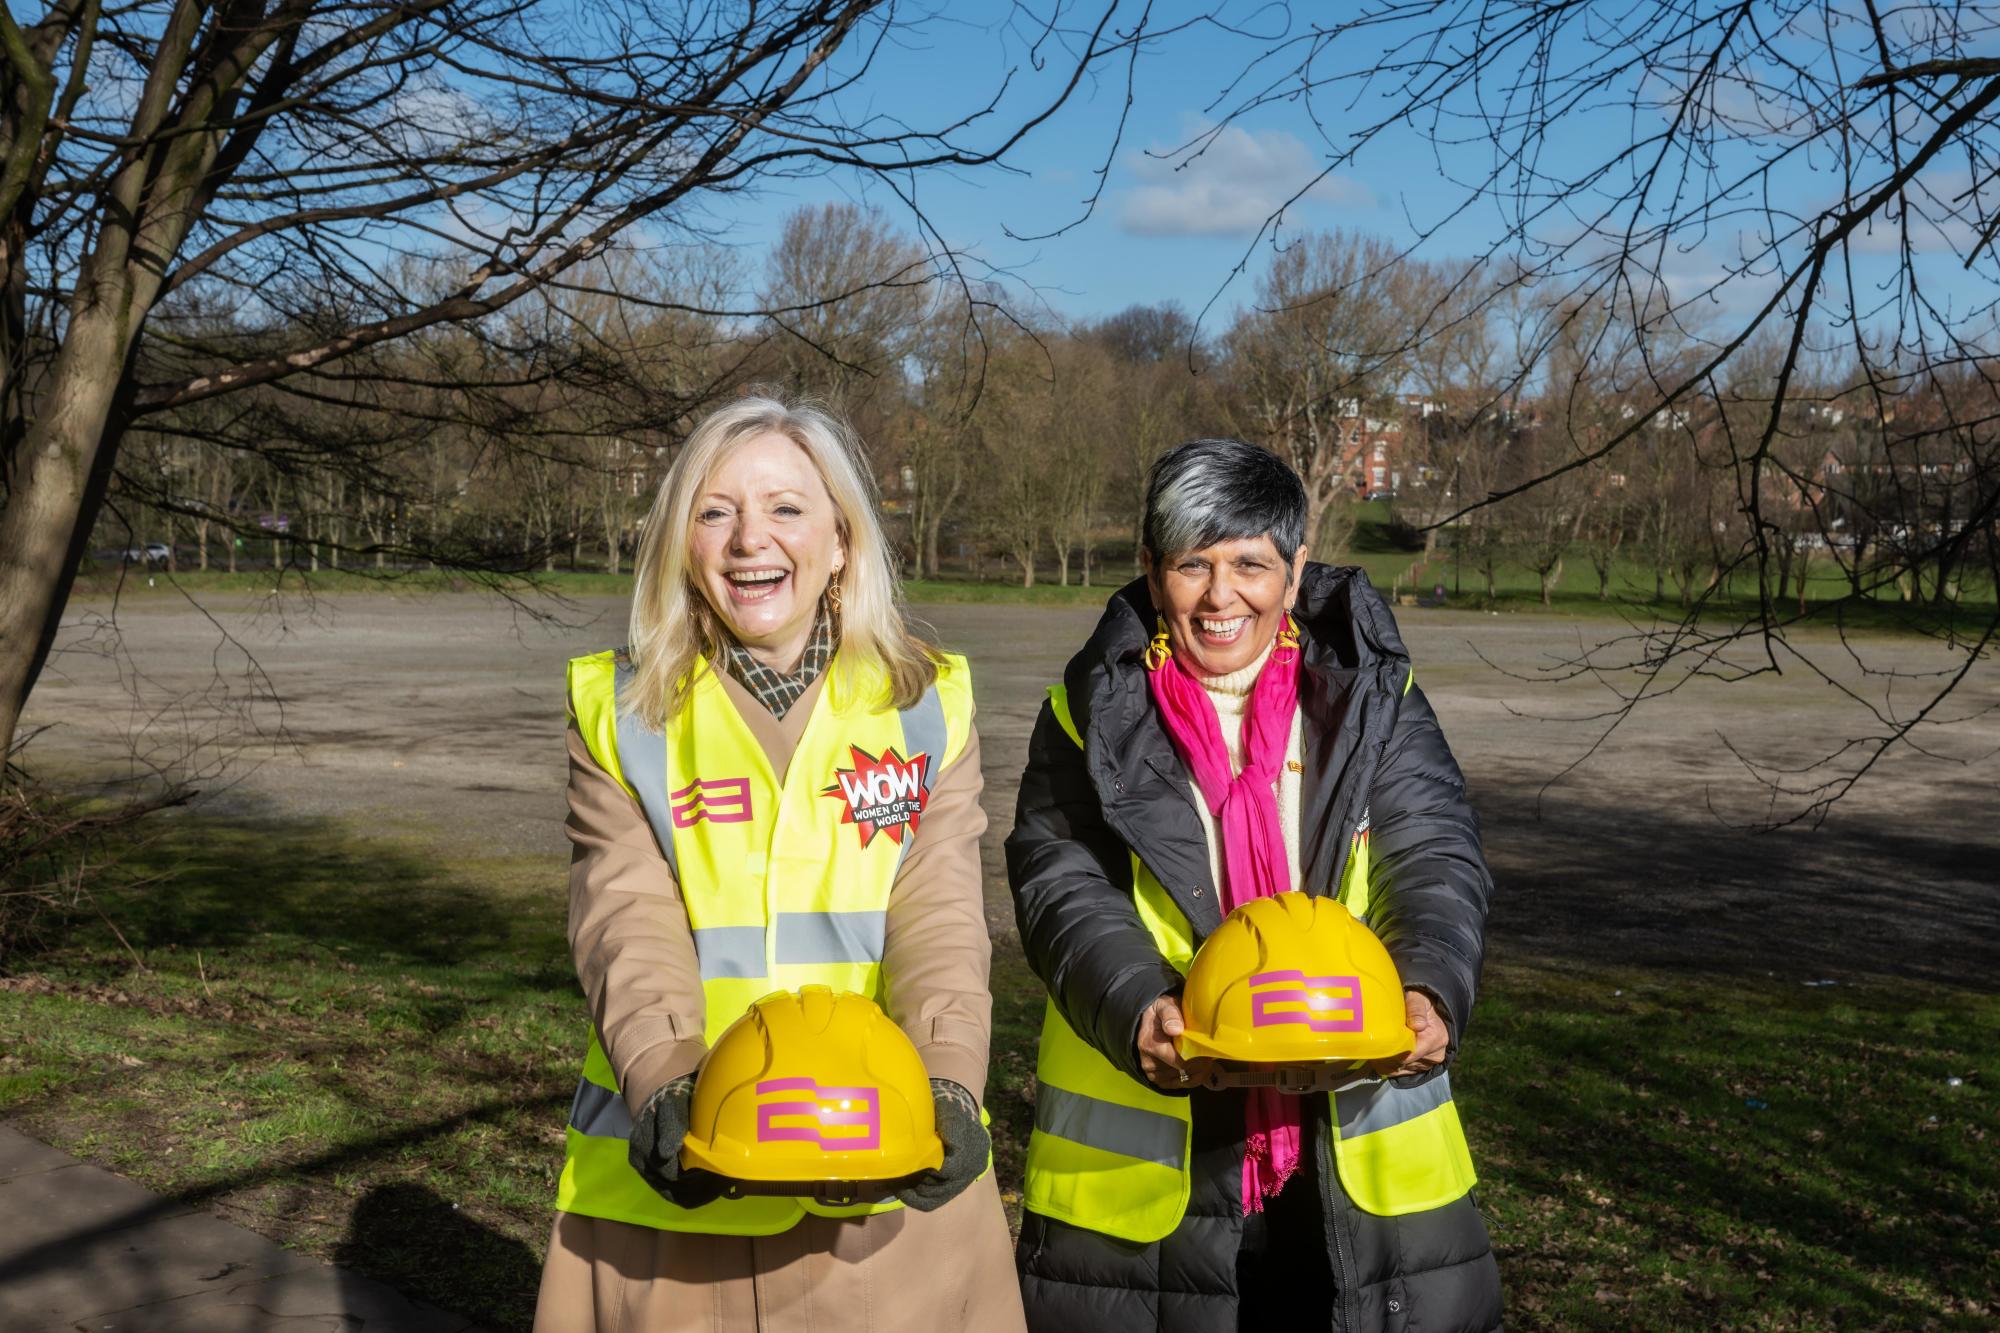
1239	180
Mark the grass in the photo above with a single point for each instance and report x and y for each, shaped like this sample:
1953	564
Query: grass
349	1044
1516	588
366	1049
1666	1151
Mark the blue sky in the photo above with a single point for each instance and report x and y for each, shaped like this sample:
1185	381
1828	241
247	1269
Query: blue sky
1157	234
1161	234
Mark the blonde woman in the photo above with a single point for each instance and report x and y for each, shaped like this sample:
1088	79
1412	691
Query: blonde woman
768	656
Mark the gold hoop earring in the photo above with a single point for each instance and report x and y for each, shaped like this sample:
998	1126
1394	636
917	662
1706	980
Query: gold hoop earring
833	595
1288	634
1160	649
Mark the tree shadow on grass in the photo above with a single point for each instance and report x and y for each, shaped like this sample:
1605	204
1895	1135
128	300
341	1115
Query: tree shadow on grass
201	882
399	1232
417	1241
1595	880
1846	1185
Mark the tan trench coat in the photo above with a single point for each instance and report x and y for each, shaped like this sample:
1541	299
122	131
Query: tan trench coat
947	1270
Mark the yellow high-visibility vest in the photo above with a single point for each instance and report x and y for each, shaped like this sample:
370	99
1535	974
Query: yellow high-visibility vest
785	884
1113	1155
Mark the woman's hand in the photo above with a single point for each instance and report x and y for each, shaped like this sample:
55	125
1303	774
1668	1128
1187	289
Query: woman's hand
1158	1059
1432	1038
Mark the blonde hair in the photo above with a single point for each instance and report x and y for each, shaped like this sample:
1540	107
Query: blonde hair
673	627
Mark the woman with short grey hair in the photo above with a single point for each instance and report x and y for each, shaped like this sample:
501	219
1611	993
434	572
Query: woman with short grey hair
1243	722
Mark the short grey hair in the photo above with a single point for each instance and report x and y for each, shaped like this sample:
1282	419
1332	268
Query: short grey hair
1209	491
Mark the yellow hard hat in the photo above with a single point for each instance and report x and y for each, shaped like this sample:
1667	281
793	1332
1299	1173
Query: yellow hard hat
1293	979
810	1088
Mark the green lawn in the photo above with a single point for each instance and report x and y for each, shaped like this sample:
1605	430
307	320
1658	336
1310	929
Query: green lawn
1516	588
367	1050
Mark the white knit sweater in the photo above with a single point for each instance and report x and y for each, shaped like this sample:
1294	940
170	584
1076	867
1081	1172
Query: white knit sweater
1231	696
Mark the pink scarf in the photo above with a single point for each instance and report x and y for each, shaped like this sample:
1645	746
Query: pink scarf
1254	861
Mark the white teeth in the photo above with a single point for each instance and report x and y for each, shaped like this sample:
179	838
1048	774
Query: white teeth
1222	626
756	576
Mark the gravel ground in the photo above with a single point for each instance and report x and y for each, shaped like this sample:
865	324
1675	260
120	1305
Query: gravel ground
445	712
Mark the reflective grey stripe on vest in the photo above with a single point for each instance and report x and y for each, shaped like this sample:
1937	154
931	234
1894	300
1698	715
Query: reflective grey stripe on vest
599	1112
730	951
803	937
924	733
642	756
1125	1130
1382	1105
830	937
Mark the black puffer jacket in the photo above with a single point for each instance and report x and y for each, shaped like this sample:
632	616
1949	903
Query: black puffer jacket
1371	751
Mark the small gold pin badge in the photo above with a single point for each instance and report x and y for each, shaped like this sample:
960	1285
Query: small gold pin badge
1295	766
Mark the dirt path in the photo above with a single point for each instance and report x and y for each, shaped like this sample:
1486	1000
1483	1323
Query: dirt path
445	712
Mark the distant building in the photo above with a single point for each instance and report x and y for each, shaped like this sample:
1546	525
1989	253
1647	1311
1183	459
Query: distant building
1372	457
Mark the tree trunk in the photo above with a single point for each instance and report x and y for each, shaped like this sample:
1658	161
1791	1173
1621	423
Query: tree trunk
1946	588
61	473
337	524
613	555
1551	576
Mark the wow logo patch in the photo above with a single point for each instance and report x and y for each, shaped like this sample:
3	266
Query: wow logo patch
1324	1004
798	1110
883	795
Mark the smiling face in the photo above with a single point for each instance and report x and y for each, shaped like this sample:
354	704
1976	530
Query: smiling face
1224	604
765	541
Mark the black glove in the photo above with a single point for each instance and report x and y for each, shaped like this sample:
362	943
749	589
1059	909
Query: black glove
656	1147
967	1148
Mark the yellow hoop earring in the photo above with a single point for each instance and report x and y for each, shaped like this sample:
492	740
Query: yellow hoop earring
1160	649
1288	633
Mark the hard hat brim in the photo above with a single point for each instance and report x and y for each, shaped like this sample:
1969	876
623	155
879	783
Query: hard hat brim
1295	1079
1300	1048
831	1193
766	1167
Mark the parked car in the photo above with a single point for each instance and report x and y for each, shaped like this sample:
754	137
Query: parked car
152	553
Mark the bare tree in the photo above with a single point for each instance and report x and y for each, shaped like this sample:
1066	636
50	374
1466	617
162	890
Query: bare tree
847	293
1158	398
935	442
1320	351
1079	426
294	161
1779	166
1021	471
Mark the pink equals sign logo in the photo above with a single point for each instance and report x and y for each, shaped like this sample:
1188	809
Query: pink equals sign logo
720	801
1324	1004
853	1115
